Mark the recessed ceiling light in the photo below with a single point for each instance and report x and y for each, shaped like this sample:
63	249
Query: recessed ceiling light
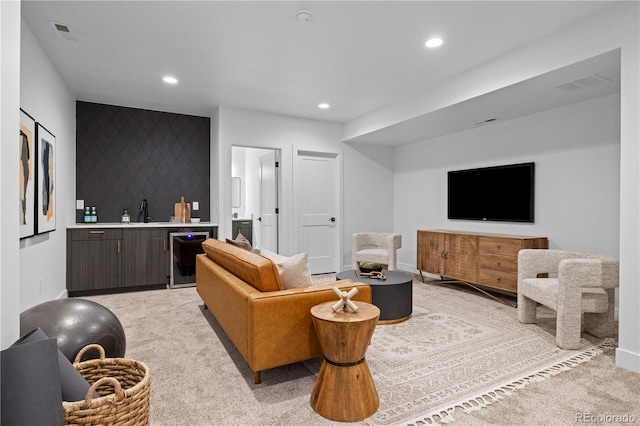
433	42
324	105
170	80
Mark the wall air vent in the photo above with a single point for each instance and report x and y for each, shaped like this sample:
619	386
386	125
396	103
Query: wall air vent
582	83
63	30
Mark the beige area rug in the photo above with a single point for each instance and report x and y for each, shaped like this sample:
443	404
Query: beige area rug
459	352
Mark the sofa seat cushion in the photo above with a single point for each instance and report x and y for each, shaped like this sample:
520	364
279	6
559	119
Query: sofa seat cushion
258	271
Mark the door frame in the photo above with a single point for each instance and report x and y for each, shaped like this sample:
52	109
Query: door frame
275	157
227	216
338	199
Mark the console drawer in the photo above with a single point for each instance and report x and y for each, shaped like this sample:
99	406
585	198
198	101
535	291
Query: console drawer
499	279
95	234
504	246
498	262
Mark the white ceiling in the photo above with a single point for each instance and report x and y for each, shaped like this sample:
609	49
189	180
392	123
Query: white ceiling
356	55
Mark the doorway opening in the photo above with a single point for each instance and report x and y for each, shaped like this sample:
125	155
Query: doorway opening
255	176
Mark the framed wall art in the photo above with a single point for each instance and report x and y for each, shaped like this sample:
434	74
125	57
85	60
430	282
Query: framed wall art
27	163
45	180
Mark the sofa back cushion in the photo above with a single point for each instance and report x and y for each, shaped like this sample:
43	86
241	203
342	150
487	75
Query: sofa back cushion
252	268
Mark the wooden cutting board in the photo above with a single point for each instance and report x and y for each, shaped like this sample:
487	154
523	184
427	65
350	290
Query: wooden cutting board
183	211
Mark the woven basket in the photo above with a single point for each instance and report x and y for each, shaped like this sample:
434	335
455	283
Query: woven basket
124	386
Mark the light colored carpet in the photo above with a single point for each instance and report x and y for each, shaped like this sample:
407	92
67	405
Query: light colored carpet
456	347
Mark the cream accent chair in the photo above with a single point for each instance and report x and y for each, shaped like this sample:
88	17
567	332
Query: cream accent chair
375	247
580	285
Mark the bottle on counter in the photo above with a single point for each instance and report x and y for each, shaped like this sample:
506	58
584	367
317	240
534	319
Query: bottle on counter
87	215
94	215
125	217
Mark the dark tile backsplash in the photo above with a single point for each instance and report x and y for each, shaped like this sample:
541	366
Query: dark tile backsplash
126	154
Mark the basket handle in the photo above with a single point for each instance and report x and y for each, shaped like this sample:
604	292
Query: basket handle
103	380
96	346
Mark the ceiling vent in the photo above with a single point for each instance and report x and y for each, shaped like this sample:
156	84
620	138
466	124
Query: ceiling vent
582	83
488	120
63	30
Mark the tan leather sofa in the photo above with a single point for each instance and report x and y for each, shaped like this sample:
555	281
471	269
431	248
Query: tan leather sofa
270	326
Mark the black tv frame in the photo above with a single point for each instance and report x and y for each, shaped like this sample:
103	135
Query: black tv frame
504	193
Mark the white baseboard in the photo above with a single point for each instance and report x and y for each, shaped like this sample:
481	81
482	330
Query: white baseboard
628	360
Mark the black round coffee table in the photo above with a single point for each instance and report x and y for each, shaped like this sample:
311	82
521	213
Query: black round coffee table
393	296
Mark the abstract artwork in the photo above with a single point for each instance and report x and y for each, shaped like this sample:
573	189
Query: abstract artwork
27	164
45	178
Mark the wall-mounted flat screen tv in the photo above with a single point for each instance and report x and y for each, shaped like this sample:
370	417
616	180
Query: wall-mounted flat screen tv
500	193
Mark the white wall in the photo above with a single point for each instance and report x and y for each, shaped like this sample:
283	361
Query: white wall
9	153
47	99
577	154
366	171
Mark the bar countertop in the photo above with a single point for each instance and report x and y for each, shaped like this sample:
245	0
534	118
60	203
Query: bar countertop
141	225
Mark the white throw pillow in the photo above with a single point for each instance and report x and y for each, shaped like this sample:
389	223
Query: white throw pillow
294	270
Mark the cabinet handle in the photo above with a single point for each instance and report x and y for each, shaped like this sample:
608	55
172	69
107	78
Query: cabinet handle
96	232
118	246
164	245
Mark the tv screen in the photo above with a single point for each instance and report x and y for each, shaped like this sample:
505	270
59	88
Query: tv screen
501	193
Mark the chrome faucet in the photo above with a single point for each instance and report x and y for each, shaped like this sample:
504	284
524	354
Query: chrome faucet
144	211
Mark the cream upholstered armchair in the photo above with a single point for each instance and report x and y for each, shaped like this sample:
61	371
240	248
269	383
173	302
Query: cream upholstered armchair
375	247
580	285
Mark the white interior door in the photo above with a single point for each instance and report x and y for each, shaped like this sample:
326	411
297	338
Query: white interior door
268	218
318	233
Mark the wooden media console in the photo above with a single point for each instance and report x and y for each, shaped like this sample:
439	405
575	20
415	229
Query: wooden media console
487	260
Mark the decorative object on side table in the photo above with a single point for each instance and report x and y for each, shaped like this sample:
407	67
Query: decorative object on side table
366	267
345	300
345	336
376	275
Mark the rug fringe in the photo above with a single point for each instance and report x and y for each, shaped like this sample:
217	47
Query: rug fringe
478	402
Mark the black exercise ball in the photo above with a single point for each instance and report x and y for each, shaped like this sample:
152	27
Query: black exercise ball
76	323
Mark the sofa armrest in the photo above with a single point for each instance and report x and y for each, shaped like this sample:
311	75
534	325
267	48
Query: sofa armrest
280	323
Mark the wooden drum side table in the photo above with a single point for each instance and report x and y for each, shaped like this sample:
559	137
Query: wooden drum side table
344	390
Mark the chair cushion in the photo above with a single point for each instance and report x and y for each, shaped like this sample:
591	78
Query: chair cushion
545	291
373	255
